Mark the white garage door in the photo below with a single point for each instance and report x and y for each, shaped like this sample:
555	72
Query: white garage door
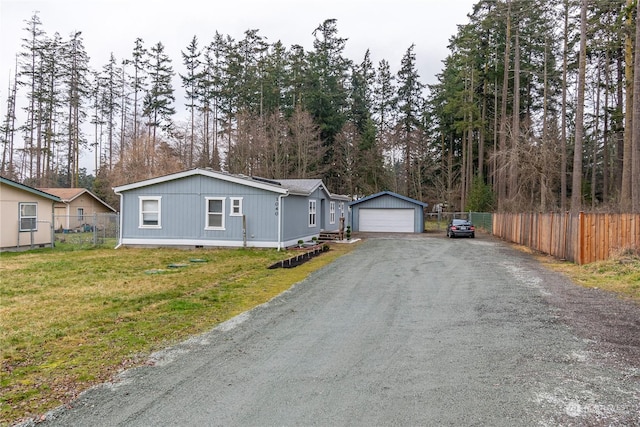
389	220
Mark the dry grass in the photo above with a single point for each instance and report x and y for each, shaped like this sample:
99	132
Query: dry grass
73	319
434	226
620	274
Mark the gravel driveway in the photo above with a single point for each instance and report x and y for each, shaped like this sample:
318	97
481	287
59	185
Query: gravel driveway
404	331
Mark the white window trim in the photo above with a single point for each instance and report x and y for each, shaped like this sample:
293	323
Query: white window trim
332	212
313	213
232	200
20	217
142	199
80	212
206	213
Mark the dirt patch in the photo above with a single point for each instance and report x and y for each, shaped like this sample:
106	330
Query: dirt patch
609	321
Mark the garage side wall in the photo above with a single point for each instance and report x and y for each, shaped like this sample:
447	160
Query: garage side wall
388	202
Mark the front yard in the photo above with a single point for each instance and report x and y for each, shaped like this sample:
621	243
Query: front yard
72	319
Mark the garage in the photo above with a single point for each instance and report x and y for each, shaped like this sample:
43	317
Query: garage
387	220
387	212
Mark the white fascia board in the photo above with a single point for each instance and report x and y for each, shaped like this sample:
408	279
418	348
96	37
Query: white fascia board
217	175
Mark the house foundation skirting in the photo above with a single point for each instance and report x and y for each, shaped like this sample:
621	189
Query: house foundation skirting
196	243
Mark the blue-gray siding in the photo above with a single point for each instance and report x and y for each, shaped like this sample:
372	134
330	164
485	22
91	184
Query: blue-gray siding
296	215
183	211
387	201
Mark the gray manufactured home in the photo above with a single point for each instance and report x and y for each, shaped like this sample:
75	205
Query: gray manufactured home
201	207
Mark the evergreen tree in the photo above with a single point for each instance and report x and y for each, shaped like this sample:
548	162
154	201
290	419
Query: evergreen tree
8	130
109	103
327	94
77	89
51	102
138	81
368	163
191	82
30	65
157	104
409	101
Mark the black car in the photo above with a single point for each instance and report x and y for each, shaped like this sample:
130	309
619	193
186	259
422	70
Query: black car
460	227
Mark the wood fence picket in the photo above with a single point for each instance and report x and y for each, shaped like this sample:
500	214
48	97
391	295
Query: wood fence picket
581	238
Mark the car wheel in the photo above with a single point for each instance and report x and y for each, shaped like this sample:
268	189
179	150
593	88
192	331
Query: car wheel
473	235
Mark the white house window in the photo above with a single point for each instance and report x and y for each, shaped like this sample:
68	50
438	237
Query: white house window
150	212
332	212
28	216
312	213
236	206
215	213
80	214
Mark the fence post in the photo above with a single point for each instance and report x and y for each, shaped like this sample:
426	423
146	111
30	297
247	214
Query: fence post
95	229
581	238
564	235
551	234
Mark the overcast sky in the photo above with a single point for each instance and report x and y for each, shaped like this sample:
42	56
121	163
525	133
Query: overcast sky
386	27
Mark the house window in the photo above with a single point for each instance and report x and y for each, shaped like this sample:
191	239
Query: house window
215	213
236	206
312	213
28	216
81	214
332	212
150	212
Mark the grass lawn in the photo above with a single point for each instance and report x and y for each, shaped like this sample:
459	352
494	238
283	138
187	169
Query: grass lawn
72	319
620	274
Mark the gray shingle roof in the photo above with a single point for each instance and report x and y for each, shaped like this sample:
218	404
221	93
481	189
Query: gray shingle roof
300	186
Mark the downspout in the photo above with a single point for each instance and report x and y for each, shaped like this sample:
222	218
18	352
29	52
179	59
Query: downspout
280	216
67	209
52	224
120	220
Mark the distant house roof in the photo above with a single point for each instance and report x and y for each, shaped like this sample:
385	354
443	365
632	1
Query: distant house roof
392	194
31	190
68	195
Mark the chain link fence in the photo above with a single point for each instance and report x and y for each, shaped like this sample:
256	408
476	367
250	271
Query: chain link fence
437	221
483	220
87	231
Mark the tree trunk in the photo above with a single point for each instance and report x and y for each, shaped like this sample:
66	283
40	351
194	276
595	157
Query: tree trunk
635	141
576	187
502	176
606	168
515	124
627	157
596	138
563	115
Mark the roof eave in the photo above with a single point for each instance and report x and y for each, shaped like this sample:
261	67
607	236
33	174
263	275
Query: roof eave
30	189
392	194
205	172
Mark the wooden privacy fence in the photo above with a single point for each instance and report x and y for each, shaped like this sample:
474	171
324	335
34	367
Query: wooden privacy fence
581	238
